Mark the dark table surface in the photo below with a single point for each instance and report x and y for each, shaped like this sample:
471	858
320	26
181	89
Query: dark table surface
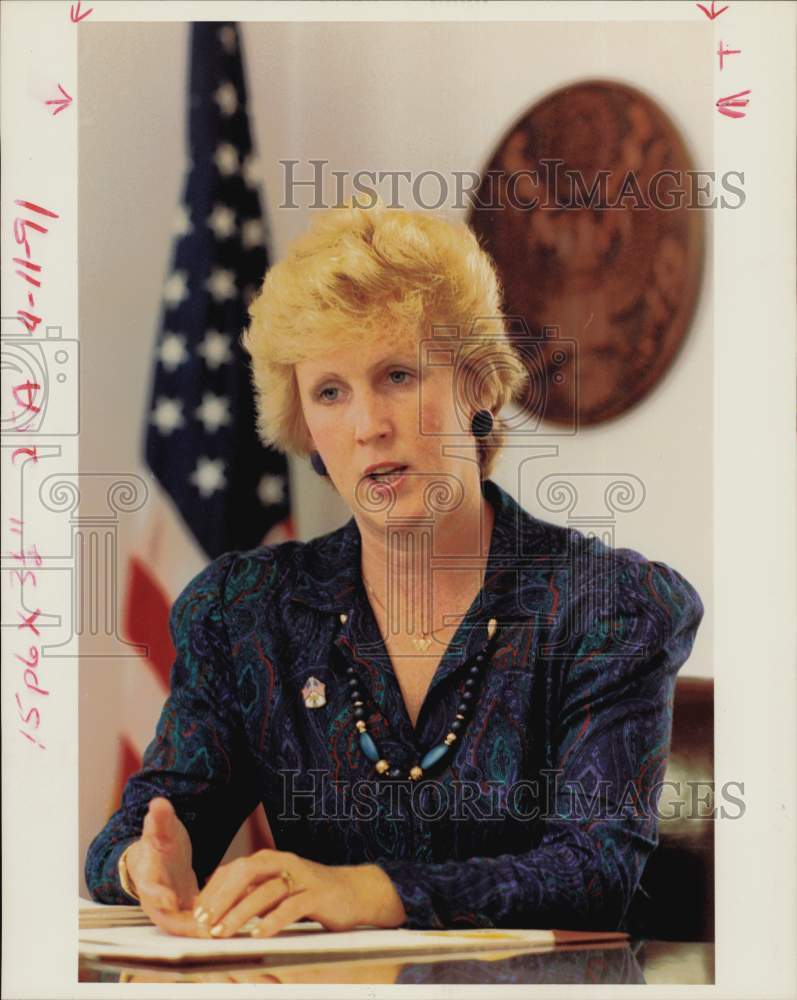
624	962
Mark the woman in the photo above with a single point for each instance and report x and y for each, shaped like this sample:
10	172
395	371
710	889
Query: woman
453	713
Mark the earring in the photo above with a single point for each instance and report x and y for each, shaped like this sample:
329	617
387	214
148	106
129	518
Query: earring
482	423
318	463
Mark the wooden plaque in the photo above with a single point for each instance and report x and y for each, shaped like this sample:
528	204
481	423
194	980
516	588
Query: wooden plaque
574	209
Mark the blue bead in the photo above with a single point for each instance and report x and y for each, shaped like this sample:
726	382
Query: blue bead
368	747
434	755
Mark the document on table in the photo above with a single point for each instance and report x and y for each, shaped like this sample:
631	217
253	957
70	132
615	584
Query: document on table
147	943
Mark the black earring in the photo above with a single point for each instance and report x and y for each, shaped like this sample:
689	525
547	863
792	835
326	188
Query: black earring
318	463
482	423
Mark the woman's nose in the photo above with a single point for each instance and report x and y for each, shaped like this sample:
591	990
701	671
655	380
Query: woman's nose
370	418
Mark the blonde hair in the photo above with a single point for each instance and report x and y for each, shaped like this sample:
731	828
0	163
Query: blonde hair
362	271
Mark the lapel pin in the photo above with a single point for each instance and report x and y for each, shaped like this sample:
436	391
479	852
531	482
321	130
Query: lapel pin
314	693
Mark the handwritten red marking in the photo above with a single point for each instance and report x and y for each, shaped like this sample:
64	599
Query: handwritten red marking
721	52
29	279
30	452
30	321
32	711
36	208
75	15
30	299
32	553
28	736
34	684
27	263
62	102
20	225
33	653
725	105
22	574
713	13
16	520
28	622
28	387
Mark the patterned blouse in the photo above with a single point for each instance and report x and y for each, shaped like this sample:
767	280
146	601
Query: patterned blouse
541	813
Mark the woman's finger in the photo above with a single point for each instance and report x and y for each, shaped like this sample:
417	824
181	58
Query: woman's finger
287	912
260	900
180	922
157	895
230	883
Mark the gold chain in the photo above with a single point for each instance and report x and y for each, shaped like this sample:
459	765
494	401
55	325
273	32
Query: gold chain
421	643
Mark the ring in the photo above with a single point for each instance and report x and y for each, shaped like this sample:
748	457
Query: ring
287	878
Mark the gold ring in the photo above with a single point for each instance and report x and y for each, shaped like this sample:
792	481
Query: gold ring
287	878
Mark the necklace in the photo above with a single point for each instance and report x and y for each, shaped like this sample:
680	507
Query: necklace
475	670
422	642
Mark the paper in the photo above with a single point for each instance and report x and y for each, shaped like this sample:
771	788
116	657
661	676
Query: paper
149	943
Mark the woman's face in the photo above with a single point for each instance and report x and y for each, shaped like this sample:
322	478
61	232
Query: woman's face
375	404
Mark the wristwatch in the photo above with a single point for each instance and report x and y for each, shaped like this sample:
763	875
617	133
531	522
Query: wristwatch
125	880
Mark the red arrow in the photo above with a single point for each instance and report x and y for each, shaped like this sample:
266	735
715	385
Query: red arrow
75	15
63	102
725	104
710	15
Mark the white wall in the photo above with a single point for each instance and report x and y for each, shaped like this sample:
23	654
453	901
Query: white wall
377	96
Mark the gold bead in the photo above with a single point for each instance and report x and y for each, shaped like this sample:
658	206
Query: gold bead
492	625
382	766
458	716
344	619
361	727
450	738
416	773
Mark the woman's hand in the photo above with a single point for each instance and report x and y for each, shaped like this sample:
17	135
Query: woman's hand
338	897
159	863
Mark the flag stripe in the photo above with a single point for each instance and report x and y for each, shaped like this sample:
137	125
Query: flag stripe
147	619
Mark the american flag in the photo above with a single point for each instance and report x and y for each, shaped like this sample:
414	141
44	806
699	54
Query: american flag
215	487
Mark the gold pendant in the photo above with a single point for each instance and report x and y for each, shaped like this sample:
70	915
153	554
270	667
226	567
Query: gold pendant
422	644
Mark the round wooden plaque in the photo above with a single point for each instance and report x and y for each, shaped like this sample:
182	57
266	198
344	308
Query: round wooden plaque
589	212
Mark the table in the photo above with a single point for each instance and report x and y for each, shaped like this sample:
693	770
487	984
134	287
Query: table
652	962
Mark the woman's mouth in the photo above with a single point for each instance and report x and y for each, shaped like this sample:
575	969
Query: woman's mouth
390	478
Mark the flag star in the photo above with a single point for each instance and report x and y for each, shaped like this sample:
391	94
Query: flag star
176	288
182	222
271	490
221	284
208	476
215	349
222	221
167	415
214	411
227	98
252	233
226	158
251	170
227	38
172	352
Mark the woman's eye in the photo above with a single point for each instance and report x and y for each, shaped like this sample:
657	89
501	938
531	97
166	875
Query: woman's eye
327	399
404	380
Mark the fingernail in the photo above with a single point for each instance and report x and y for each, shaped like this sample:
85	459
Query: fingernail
201	916
217	931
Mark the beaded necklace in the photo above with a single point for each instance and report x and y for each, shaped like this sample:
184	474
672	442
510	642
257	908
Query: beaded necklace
476	666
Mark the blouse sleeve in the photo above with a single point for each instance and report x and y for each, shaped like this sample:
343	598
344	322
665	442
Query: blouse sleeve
196	759
612	738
